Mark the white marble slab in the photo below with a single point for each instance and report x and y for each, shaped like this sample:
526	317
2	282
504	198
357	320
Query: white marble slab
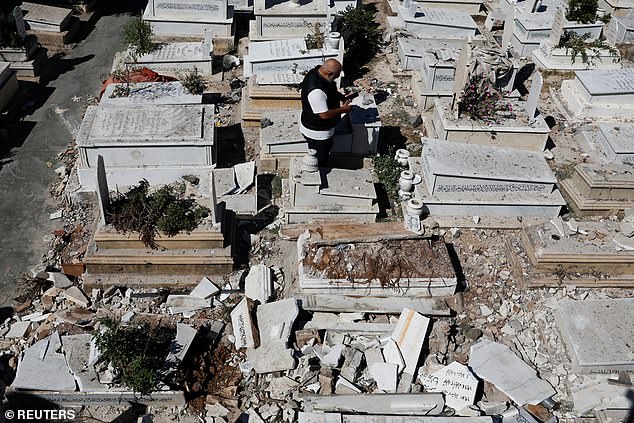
600	333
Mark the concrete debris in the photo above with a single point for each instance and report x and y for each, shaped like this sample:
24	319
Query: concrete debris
179	347
45	357
19	329
205	289
75	295
258	285
385	375
455	381
420	404
410	334
59	280
497	364
186	303
244	330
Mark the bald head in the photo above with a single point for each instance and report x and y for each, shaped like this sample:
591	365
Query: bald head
330	69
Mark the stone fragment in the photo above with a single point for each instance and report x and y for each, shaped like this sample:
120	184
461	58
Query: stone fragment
205	289
419	404
77	352
455	381
271	357
75	295
410	334
385	375
258	285
281	387
186	303
178	348
333	356
216	410
19	330
275	320
343	386
497	364
244	329
45	357
306	337
59	280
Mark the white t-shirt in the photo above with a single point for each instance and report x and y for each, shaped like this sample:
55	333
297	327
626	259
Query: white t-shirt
319	103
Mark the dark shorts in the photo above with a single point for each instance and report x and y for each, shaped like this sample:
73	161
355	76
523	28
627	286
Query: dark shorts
322	147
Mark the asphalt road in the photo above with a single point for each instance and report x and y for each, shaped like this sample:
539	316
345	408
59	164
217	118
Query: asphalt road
25	176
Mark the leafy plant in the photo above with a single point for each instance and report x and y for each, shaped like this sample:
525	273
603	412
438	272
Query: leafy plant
361	35
316	39
578	45
9	31
193	81
137	351
138	34
388	170
147	213
582	11
481	101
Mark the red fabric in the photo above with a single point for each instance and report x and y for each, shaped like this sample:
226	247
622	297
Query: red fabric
138	75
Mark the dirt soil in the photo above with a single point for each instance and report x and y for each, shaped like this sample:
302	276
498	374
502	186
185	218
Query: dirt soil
386	261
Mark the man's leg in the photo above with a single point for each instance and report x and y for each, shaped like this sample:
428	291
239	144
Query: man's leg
322	147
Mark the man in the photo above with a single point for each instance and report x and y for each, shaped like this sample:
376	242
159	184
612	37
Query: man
321	107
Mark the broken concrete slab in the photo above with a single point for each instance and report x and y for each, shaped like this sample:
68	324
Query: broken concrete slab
75	295
319	417
184	303
596	394
34	399
258	285
392	354
410	334
388	305
205	289
455	381
244	329
332	358
281	387
44	358
272	357
418	419
275	320
77	351
385	375
19	330
59	280
178	348
599	334
419	404
496	363
245	175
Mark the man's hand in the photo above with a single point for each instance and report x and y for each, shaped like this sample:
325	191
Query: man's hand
347	106
351	95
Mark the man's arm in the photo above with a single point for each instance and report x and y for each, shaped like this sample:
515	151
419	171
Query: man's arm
333	113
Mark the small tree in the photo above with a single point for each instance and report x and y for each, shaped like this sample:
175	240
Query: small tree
361	35
578	45
481	101
137	351
582	11
316	38
138	34
193	81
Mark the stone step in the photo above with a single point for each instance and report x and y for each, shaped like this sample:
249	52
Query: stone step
583	206
379	305
171	281
575	253
110	239
155	262
612	182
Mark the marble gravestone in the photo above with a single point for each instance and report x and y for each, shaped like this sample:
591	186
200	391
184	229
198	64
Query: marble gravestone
103	192
40	17
275	20
157	142
435	23
8	85
288	56
599	334
18	15
533	95
171	59
166	93
456	381
469	179
190	18
558	27
601	93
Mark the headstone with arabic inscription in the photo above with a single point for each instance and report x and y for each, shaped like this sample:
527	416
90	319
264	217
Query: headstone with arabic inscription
455	381
19	22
